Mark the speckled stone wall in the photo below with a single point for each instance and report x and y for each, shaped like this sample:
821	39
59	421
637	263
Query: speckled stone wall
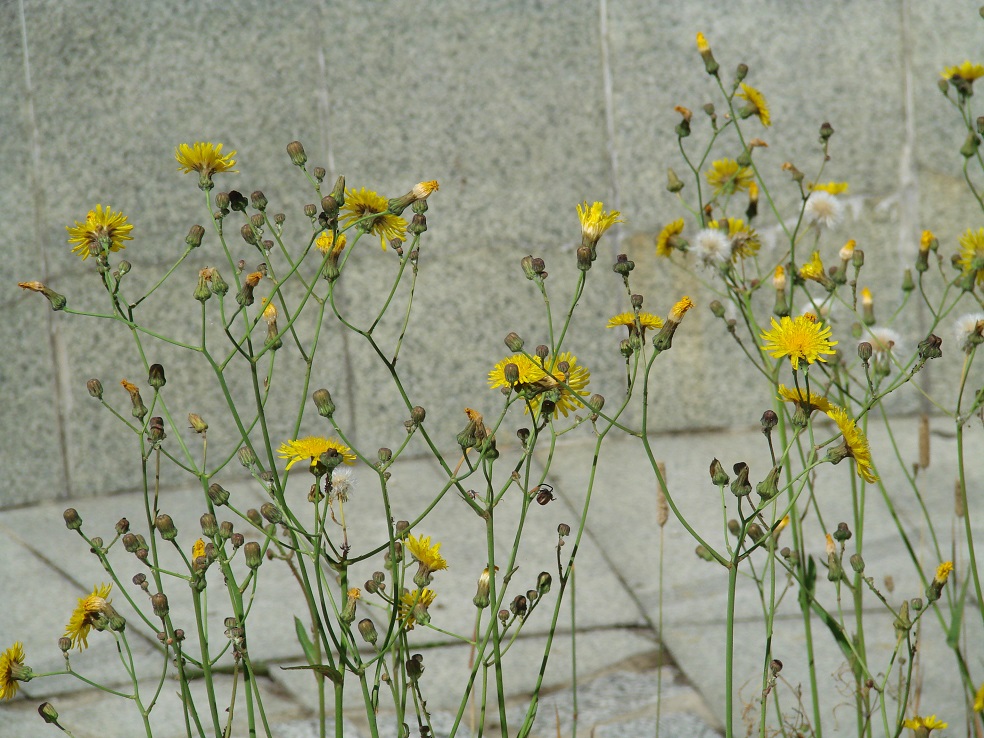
519	109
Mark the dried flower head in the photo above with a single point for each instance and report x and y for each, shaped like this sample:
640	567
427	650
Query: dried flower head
103	231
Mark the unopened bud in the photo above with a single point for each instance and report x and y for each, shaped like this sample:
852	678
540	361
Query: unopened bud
95	388
165	526
156	376
218	494
367	629
254	556
718	475
271	512
209	525
73	521
324	403
418	414
297	154
48	712
197	423
159	603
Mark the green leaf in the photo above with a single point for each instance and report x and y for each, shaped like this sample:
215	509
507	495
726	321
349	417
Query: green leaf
334	674
302	637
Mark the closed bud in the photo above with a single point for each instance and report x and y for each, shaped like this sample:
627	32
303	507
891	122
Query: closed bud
741	486
527	263
64	644
864	351
769	421
130	542
210	527
734	527
755	532
384	454
48	712
703	553
585	257
769	487
122	526
253	516
237	201
156	377
563	530
237	540
970	146
155	430
297	154
73	521
311	210
95	388
367	629
908	284
623	265
417	414
254	556
218	494
197	424
159	603
219	285
165	526
519	606
543	583
195	235
271	512
324	403
857	563
843	533
718	475
596	402
741	72
826	131
717	308
514	342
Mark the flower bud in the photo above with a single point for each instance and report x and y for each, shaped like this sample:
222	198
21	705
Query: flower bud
769	487
543	583
271	512
297	154
195	235
218	494
322	400
519	606
367	629
585	257
155	430
623	265
857	563
254	557
513	342
563	530
165	526
73	521
210	527
95	388
826	131
418	414
741	486
843	533
48	713
717	308
718	475
130	542
415	667
929	348
769	421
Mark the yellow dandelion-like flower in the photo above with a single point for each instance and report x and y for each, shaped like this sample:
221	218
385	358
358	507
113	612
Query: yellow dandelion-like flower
84	616
834	188
702	44
310	449
928	724
726	176
856	445
530	372
198	549
813	269
664	241
926	240
328	243
206	159
409	600
972	253
646	320
595	221
756	104
800	338
744	240
362	205
943	572
427	554
680	309
968	71
103	231
979	699
810	402
12	671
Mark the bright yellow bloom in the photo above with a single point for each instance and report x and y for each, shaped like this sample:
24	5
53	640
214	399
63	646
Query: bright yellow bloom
530	371
326	242
664	246
12	670
102	232
310	449
926	241
576	380
856	445
726	176
800	338
756	101
943	572
702	44
427	554
595	221
927	723
968	71
972	253
799	397
834	188
979	699
744	240
365	203
198	549
646	320
680	309
813	269
206	159
85	615
409	600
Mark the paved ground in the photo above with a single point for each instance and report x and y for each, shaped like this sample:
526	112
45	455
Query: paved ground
622	665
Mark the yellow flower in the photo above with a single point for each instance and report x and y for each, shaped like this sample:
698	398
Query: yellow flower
326	242
972	253
85	615
12	670
834	188
744	240
926	241
702	44
926	723
102	232
979	699
198	549
310	449
409	600
427	554
530	371
664	241
646	320
756	104
206	159
576	380
680	309
595	221
365	203
800	338
799	397
968	71
813	269
725	176
855	443
943	572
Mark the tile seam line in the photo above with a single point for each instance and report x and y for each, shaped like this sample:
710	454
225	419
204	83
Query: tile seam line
60	369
